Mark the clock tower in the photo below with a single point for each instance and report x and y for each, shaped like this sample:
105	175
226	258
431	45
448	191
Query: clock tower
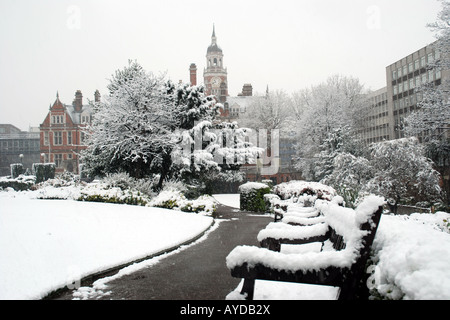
215	75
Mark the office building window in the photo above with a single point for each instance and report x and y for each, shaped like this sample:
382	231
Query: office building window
416	64
405	70
417	81
410	67
411	83
422	62
395	90
430	57
399	72
394	75
438	74
430	75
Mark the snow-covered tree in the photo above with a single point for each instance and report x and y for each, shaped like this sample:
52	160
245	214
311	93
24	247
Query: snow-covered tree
268	112
349	176
212	153
323	109
148	126
131	130
402	172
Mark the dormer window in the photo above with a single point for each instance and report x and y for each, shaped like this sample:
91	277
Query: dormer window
85	119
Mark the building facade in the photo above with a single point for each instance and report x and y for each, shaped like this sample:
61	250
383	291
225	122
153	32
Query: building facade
403	77
376	121
18	146
63	132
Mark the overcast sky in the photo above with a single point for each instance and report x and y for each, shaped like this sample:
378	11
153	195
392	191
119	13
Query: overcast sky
58	45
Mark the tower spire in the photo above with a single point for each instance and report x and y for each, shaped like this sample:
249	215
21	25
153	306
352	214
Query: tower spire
213	37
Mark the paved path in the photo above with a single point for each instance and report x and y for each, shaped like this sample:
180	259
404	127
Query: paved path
196	273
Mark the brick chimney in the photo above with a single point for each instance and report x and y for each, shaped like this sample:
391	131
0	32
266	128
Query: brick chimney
78	102
193	74
247	90
97	96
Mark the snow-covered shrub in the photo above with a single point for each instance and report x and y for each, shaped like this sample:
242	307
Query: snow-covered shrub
20	183
411	258
44	171
16	170
304	191
403	172
101	192
268	182
203	204
121	180
169	199
252	196
172	198
270	200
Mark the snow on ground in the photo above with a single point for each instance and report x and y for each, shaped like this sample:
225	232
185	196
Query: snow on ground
48	244
231	200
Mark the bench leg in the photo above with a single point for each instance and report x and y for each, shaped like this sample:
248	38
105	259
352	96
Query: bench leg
248	288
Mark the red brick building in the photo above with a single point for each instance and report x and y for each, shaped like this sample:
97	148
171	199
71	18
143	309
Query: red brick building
62	133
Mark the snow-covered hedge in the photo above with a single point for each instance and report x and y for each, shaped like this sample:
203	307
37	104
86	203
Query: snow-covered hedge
304	191
20	183
16	170
171	198
252	196
44	171
411	258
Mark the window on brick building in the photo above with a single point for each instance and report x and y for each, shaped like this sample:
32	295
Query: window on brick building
57	138
58	158
45	138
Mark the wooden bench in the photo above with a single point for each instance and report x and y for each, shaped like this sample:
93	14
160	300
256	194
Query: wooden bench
341	262
283	208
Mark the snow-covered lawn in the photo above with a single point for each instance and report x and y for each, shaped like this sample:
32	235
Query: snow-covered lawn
48	244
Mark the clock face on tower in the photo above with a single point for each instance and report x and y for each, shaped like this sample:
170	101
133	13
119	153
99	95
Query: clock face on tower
215	82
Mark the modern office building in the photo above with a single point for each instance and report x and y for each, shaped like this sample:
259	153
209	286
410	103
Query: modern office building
403	77
375	124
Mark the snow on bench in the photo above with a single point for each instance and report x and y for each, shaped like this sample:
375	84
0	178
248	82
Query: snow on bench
340	263
277	233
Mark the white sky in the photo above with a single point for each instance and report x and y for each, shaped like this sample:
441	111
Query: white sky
51	45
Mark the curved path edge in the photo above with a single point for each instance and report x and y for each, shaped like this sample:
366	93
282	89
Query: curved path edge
91	278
